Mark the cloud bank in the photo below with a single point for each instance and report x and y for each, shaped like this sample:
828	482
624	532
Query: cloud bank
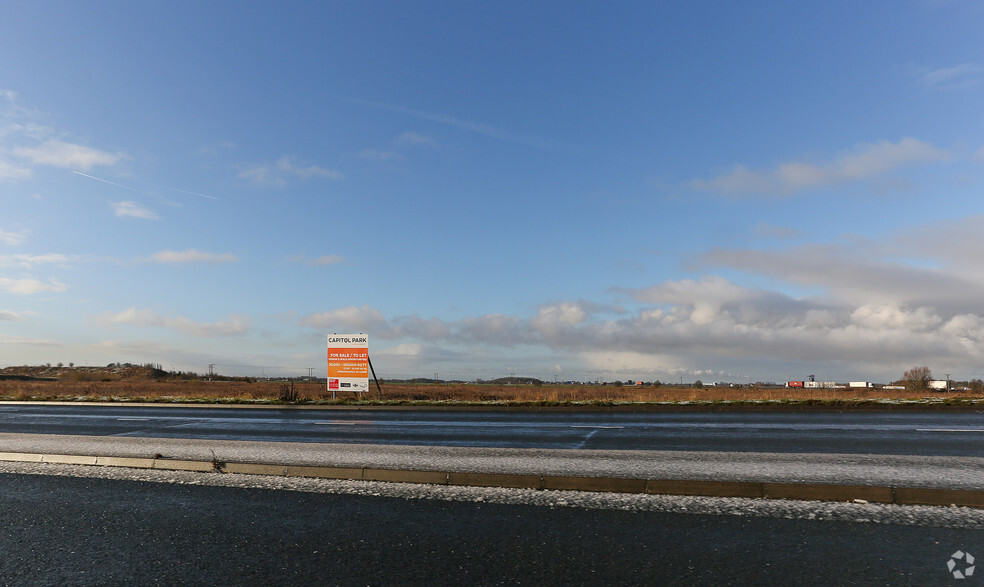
875	310
192	256
857	164
234	325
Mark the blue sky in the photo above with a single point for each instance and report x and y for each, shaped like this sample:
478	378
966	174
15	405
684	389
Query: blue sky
664	190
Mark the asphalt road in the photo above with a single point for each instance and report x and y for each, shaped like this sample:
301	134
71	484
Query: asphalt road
70	530
902	432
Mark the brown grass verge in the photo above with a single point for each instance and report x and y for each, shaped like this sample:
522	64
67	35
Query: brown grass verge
257	391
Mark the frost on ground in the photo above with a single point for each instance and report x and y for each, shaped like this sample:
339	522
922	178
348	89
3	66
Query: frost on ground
858	512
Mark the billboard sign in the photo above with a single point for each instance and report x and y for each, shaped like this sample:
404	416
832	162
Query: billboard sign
348	362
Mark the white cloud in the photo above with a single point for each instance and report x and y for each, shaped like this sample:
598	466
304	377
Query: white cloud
26	143
11	171
12	239
764	230
414	139
708	326
857	164
133	210
67	155
895	317
235	325
34	260
491	329
326	260
554	319
21	341
360	319
28	286
487	130
26	130
873	310
192	256
416	327
377	155
960	76
278	174
317	261
10	316
286	165
218	148
866	273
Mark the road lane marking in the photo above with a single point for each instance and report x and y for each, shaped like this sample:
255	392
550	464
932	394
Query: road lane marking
133	419
598	427
949	429
337	423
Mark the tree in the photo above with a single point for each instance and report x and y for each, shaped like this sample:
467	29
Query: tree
917	379
698	383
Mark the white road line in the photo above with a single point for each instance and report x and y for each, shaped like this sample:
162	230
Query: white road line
949	429
132	419
598	427
336	423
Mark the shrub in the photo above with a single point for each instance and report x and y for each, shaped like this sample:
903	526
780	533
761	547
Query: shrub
288	393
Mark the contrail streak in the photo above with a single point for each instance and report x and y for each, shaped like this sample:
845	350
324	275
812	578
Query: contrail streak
119	185
107	181
164	187
470	126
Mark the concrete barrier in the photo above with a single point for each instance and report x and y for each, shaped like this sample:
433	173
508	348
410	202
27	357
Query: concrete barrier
396	476
69	459
255	469
130	462
22	457
927	496
179	465
708	488
349	473
820	492
605	484
496	480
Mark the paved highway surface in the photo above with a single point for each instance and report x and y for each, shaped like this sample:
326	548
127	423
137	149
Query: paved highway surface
105	525
76	530
937	433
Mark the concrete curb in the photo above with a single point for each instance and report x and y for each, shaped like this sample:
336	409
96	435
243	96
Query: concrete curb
708	488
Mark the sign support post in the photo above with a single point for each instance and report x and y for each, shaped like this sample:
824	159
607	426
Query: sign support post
373	371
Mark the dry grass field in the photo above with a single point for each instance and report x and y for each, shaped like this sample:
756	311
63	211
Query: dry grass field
273	391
